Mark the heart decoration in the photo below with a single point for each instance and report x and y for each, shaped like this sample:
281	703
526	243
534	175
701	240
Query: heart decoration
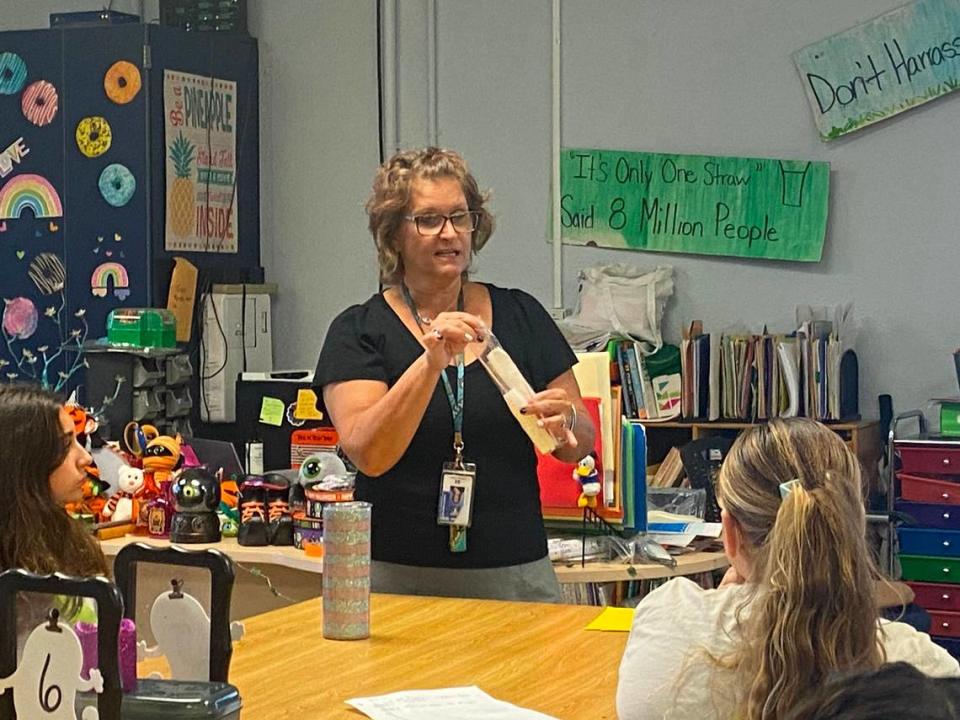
96	251
99	238
20	254
53	226
109	253
116	237
37	233
3	226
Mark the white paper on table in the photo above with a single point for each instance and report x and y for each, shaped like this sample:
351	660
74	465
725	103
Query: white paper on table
457	703
673	539
706	529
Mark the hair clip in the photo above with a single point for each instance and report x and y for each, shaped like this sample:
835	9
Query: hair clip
788	487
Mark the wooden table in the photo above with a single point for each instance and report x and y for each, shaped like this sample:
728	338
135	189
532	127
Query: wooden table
530	654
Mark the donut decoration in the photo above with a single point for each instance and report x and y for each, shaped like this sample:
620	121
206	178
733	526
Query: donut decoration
117	184
122	82
13	73
94	136
39	102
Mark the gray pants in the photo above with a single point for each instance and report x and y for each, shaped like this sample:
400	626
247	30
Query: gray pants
531	582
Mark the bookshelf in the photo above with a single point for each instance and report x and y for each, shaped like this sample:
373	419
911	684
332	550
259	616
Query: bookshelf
862	437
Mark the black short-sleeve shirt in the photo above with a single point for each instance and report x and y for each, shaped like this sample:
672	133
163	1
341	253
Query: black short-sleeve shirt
369	342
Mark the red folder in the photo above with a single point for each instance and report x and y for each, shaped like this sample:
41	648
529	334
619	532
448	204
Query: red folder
558	490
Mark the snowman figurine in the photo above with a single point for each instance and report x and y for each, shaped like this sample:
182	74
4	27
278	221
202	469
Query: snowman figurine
181	628
46	682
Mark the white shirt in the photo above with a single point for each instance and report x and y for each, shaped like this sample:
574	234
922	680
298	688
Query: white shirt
674	624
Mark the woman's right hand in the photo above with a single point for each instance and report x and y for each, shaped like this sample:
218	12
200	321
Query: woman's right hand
448	334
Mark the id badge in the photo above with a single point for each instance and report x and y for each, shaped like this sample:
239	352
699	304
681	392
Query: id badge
456	494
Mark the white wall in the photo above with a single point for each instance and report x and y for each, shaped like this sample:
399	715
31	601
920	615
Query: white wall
318	152
709	77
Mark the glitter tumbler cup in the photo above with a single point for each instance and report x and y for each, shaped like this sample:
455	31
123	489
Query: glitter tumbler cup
346	570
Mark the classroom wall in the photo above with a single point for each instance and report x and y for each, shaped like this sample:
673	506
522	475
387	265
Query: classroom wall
319	147
708	77
700	76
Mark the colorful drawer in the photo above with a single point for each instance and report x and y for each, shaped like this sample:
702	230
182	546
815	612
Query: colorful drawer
944	624
930	569
923	541
929	459
944	517
936	596
928	490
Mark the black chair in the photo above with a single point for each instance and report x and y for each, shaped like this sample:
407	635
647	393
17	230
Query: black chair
109	613
221	576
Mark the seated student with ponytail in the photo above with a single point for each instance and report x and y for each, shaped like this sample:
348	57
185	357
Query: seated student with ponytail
798	604
42	468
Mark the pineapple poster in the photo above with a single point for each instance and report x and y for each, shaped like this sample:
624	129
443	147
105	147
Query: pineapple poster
201	162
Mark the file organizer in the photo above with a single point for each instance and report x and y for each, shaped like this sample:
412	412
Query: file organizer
927	491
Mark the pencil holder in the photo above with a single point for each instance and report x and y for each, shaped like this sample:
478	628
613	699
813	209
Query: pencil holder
346	571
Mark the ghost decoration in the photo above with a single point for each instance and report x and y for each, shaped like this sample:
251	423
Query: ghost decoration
181	628
19	318
46	682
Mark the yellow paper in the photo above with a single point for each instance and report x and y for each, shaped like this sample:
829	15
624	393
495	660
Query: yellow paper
271	411
306	408
613	619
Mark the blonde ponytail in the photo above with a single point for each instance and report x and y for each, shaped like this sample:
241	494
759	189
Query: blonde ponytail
814	611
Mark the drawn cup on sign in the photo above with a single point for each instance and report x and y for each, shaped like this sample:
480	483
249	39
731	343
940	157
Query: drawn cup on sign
793	177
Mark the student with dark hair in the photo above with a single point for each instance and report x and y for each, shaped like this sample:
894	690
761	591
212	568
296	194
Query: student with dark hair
42	467
798	604
896	690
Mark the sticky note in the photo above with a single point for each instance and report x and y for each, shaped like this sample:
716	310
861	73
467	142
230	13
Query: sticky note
306	408
271	411
613	619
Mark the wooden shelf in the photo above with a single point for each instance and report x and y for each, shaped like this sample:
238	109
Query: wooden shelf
268	554
690	564
862	436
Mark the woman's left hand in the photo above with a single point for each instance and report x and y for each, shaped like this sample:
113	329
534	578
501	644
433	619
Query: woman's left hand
554	410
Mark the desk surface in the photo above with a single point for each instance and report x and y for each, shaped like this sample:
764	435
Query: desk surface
533	655
689	564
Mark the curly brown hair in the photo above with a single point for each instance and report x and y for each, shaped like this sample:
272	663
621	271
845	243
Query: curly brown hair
36	534
388	203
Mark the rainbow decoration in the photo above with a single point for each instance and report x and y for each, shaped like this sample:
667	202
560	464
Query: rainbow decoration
104	274
29	191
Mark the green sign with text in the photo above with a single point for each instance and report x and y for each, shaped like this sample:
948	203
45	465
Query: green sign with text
701	204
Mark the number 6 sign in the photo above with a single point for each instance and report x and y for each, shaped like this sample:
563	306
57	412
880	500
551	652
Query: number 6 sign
46	682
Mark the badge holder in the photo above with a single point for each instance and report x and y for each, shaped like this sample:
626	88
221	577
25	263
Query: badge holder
455	506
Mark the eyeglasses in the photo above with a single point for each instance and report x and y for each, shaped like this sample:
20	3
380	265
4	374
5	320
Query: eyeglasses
432	224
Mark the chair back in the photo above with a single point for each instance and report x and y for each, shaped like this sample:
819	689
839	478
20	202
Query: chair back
109	613
221	588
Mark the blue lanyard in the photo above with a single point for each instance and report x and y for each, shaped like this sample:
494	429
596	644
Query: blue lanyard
456	403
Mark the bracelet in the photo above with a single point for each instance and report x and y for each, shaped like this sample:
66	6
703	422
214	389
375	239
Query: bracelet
573	417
